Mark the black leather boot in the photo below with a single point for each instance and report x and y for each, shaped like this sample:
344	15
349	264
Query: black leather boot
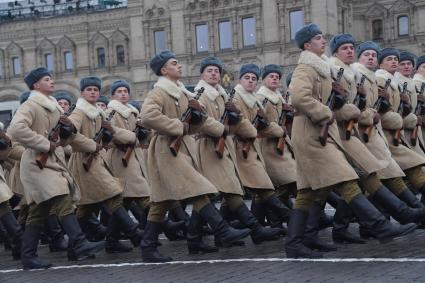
128	226
113	235
325	220
229	217
148	244
57	241
29	257
397	208
294	246
311	235
410	199
79	248
15	231
195	243
259	234
258	209
379	226
278	208
340	233
95	231
140	214
173	230
224	233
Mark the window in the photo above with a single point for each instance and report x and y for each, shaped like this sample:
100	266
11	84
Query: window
225	34
101	57
377	30
120	55
16	64
248	31
296	22
403	25
160	41
69	61
202	38
48	61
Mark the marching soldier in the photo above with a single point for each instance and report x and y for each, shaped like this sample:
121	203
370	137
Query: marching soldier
310	87
51	190
280	163
392	122
407	85
174	176
250	161
419	79
371	128
99	188
222	170
133	172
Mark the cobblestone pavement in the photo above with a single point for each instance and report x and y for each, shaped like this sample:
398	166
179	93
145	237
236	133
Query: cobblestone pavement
402	260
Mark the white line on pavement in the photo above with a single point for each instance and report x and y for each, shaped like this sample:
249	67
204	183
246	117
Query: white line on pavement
330	260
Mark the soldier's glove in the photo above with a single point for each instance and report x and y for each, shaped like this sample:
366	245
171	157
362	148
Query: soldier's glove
67	128
5	141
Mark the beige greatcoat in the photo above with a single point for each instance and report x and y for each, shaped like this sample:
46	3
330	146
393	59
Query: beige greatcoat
405	157
317	166
5	192
171	177
280	168
252	170
377	144
14	181
222	173
362	159
30	127
98	184
134	175
419	80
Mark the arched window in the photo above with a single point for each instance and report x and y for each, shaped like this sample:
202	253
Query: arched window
377	32
120	55
403	25
101	57
48	61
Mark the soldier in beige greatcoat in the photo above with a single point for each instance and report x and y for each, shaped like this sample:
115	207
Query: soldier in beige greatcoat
175	176
99	188
48	189
409	161
310	86
222	171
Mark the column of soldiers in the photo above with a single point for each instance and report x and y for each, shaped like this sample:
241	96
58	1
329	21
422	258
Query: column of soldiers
347	133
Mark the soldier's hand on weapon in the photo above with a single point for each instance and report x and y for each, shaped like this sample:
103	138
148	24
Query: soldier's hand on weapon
337	87
405	98
332	120
231	107
53	146
382	92
5	137
139	123
108	126
226	130
419	121
194	104
185	128
99	147
376	118
361	90
64	120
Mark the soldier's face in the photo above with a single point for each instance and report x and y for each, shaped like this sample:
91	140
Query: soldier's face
316	45
45	85
421	69
369	59
211	75
389	64
91	94
172	69
345	53
248	82
121	94
101	105
271	81
64	104
405	68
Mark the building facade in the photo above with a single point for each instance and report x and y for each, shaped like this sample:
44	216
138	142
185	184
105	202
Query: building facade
117	40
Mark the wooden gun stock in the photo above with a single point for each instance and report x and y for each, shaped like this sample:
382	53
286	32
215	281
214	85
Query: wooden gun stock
219	148
324	134
41	159
280	146
247	147
396	137
414	136
348	129
367	133
127	155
